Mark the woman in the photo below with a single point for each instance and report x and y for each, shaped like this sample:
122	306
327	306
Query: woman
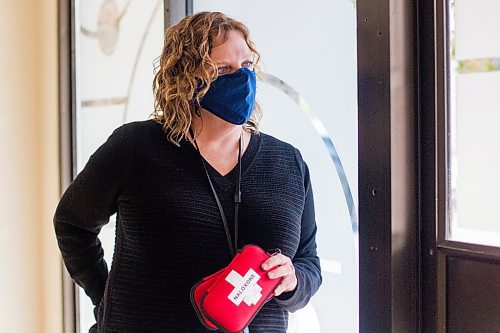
157	175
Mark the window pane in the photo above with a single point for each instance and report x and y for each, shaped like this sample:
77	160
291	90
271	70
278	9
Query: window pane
474	119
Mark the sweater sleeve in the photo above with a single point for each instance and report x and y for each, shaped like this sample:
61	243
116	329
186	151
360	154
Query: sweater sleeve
306	260
83	209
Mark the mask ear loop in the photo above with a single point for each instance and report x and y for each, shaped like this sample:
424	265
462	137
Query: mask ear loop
197	111
196	105
194	102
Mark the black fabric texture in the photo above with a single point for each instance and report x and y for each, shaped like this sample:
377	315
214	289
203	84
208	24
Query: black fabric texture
169	233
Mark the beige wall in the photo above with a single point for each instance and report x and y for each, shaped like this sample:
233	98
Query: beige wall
30	269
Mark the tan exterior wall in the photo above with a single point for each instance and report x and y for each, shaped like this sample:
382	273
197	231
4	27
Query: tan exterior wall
30	264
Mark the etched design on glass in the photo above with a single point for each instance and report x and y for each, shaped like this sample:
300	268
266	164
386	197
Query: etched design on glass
139	50
107	35
320	128
108	26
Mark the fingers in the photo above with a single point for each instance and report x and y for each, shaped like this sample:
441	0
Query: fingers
284	269
289	283
276	260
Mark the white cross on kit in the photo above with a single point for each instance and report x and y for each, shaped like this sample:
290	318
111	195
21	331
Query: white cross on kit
245	287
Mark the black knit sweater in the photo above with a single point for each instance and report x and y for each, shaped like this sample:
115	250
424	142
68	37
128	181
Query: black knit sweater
169	233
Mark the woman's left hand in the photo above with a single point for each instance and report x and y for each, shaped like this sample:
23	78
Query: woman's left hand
285	268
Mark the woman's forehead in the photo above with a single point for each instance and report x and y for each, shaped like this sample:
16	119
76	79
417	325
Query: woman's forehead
233	47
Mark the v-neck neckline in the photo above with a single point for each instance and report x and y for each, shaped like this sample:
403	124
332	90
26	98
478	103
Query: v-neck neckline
228	181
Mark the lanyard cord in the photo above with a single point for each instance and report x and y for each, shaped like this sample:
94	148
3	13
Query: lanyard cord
237	199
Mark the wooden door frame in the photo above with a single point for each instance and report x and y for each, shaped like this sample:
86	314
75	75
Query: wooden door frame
388	175
433	106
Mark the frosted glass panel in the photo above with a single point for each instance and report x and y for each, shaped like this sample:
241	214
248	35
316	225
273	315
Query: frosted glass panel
117	42
309	99
474	117
477	29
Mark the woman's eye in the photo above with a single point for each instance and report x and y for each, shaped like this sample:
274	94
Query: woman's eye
222	70
225	69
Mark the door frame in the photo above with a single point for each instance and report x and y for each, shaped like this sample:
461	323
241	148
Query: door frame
389	243
433	105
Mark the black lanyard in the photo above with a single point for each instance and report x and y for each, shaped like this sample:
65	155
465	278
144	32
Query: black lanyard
237	199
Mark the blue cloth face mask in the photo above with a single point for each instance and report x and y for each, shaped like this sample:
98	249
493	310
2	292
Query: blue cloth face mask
232	96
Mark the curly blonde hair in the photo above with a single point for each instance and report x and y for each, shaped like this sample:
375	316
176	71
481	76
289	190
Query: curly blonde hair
185	65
